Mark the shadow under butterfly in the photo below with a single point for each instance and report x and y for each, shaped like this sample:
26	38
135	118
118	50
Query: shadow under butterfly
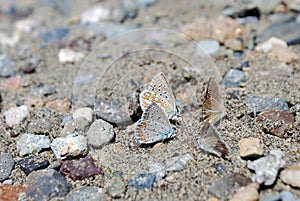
213	111
159	105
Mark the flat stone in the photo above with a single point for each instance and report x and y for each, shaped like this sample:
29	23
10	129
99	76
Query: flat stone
266	168
250	147
6	165
286	31
46	184
284	118
208	46
116	187
143	180
85	193
271	43
220	29
291	175
80	169
59	105
247	193
29	143
100	133
69	56
258	104
178	163
234	78
10	192
84	112
32	163
69	146
226	185
81	124
15	115
6	66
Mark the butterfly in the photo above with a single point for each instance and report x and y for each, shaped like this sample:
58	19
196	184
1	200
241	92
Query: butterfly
160	92
213	106
211	142
153	126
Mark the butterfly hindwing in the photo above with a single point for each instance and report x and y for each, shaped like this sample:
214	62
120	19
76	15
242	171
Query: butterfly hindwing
211	142
153	126
213	105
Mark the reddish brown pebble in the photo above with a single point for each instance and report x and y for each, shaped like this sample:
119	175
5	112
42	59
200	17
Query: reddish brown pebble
274	114
11	84
10	192
80	169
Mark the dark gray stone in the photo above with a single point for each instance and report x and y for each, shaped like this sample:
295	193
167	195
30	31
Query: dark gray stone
46	184
220	168
115	187
258	104
6	165
32	163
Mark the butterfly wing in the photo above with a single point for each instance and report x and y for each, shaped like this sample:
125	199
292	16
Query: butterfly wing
211	142
153	126
160	86
213	105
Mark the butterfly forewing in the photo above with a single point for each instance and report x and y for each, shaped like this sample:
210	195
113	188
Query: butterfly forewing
211	142
153	126
161	93
213	105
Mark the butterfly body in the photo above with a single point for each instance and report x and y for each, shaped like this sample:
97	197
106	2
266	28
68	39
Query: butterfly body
160	92
153	126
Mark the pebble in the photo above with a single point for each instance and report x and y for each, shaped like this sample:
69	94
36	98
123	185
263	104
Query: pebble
15	115
221	29
6	165
234	78
143	180
45	184
33	163
277	49
59	105
94	15
247	193
156	168
100	133
81	124
70	146
11	84
84	112
43	90
266	6
67	55
40	126
250	147
26	25
234	44
115	187
282	196
80	169
85	193
275	115
291	175
110	29
178	163
10	192
220	168
68	129
286	31
111	112
293	5
208	46
226	185
259	104
6	66
266	168
29	143
54	34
